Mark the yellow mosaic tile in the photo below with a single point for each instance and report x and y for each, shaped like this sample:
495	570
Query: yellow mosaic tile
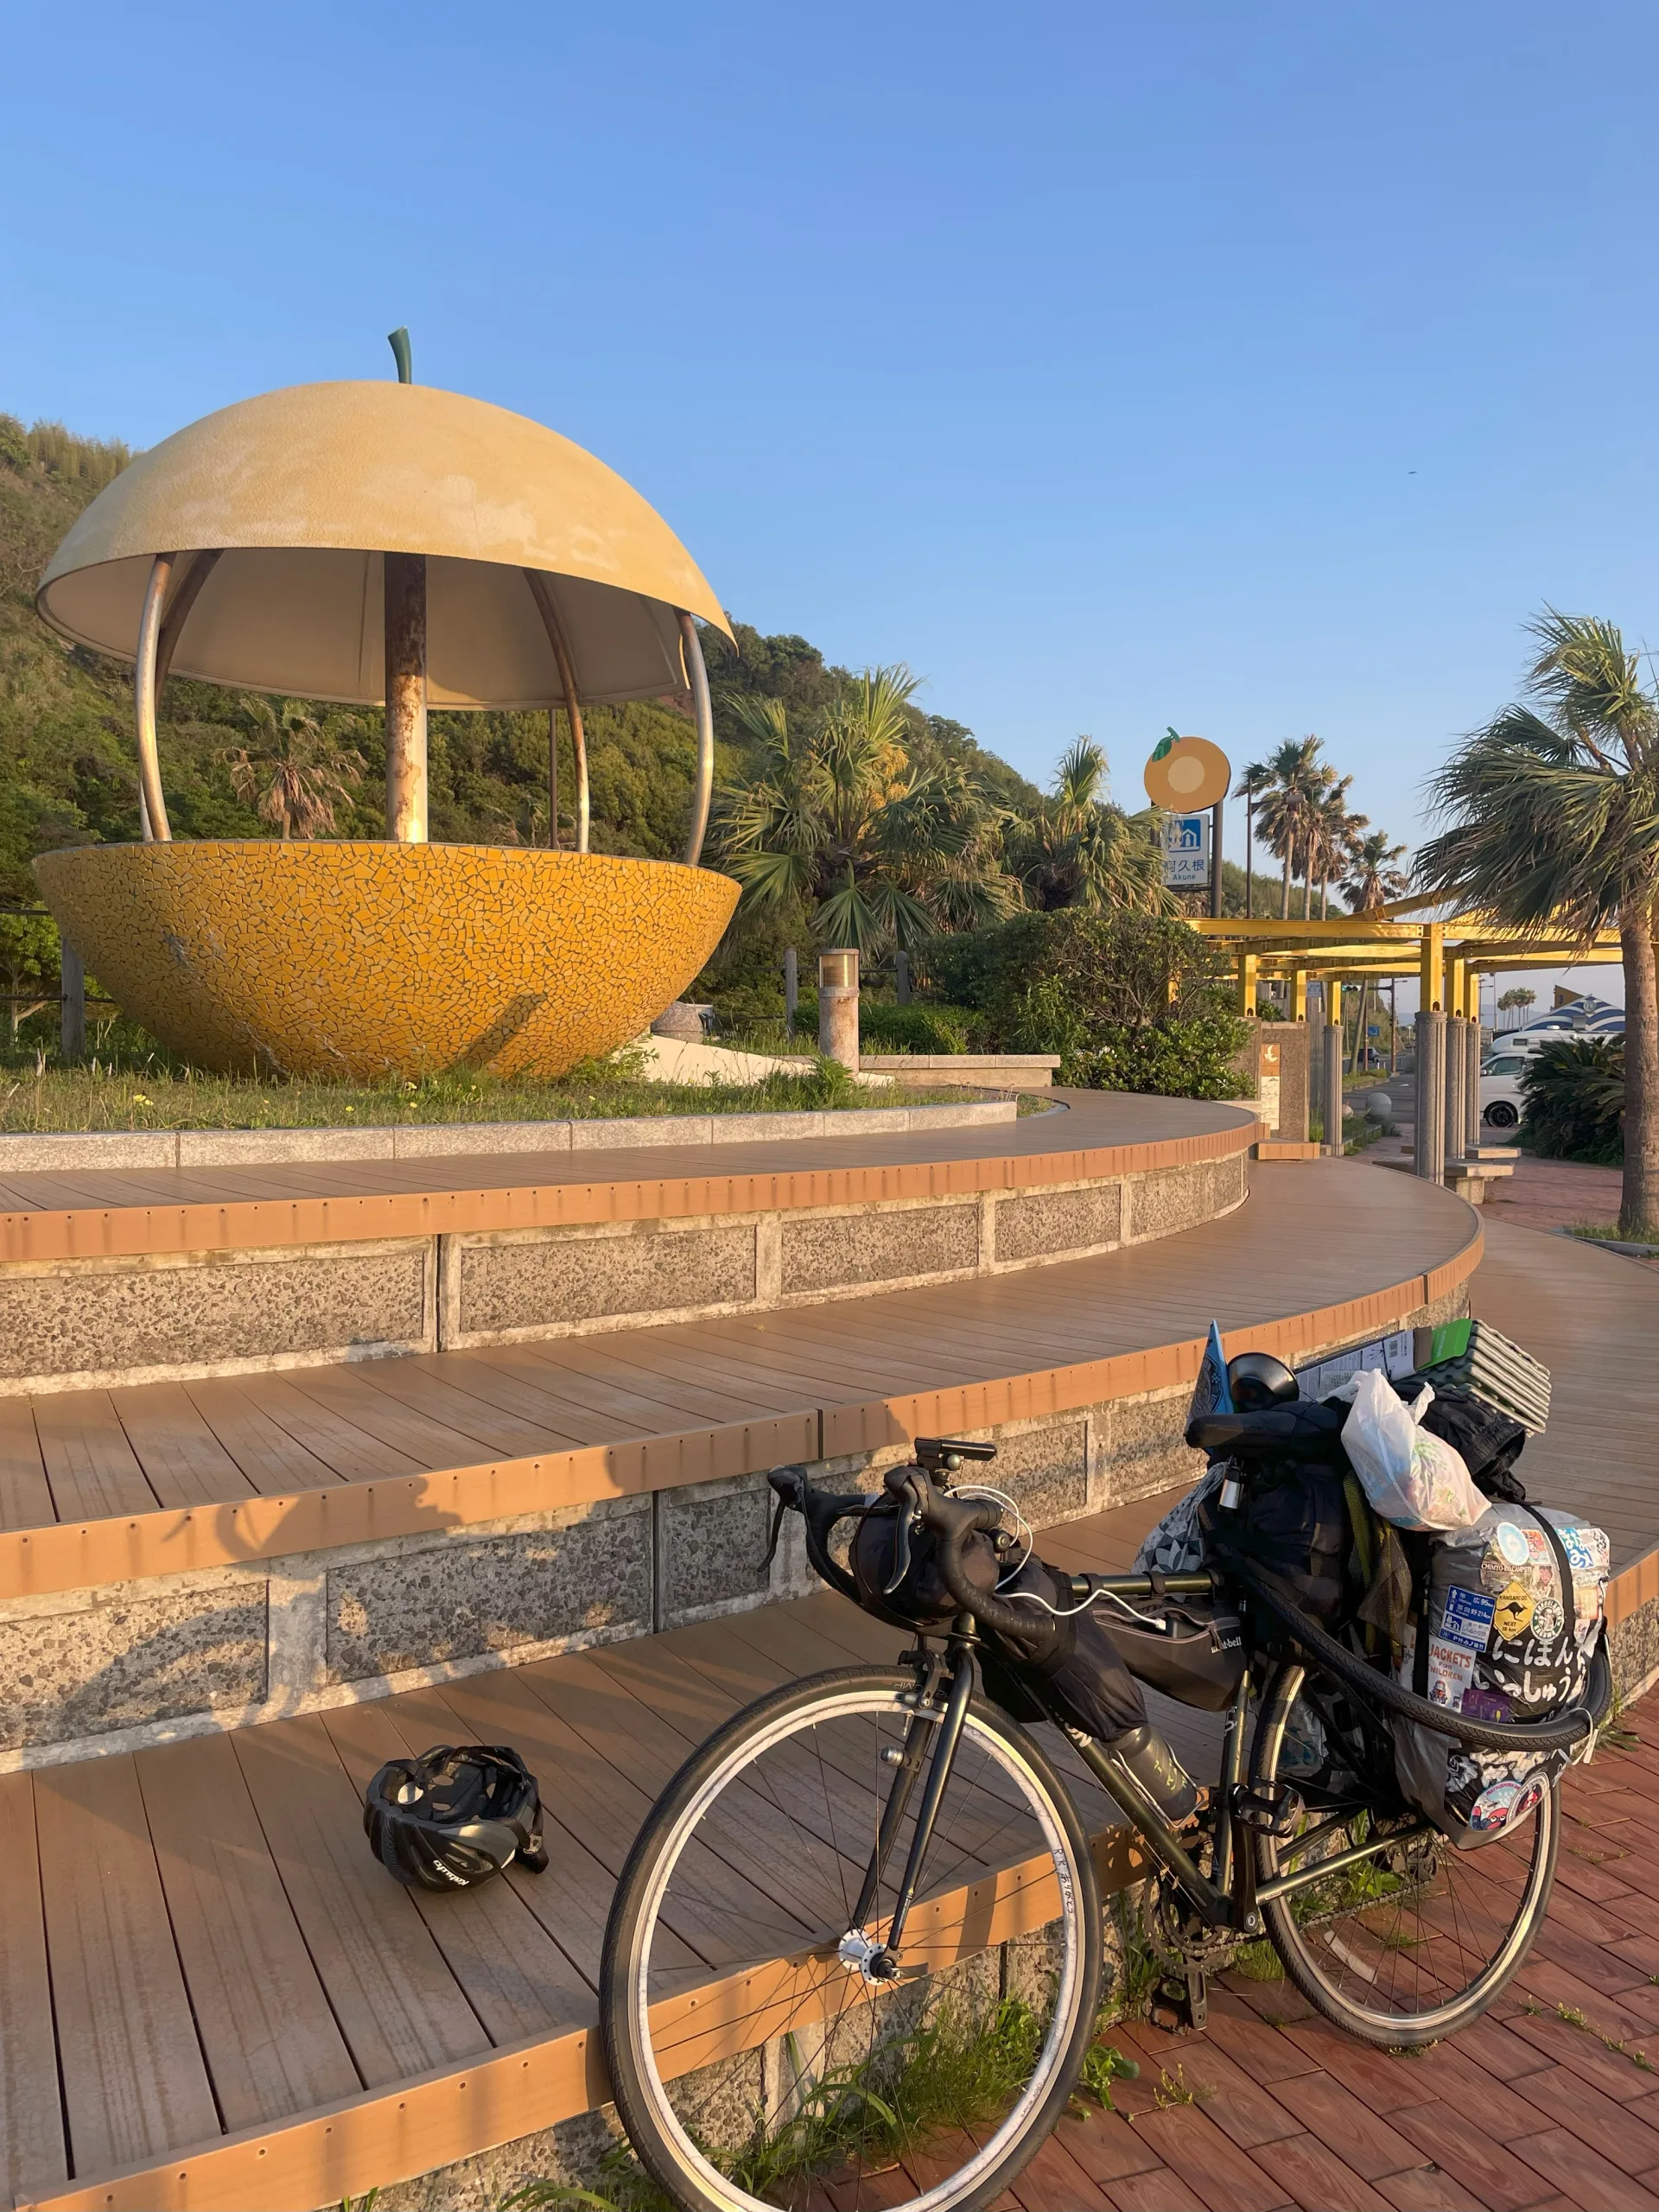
366	960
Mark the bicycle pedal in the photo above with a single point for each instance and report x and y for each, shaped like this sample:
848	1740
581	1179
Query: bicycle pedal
1266	1808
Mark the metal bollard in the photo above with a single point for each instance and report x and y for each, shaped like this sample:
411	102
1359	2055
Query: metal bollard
71	1033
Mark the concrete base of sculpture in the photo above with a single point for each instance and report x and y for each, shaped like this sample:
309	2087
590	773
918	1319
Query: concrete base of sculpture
365	961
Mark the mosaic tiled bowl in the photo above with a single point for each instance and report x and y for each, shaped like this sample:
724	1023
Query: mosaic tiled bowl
369	960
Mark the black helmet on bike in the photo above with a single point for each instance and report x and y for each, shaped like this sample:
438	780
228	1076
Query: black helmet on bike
1257	1381
455	1816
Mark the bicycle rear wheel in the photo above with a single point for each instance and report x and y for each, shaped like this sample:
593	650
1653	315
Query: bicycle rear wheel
754	2061
1410	1945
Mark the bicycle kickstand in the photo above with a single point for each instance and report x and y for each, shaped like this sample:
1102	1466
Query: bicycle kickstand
1176	2006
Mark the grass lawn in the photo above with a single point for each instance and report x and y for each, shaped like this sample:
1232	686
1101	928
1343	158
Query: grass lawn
137	1088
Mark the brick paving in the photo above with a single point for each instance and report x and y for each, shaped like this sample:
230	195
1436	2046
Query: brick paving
1549	2103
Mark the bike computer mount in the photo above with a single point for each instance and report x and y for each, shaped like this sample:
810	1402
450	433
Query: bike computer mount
944	1455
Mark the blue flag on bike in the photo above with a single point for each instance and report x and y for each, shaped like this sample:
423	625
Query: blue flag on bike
1211	1394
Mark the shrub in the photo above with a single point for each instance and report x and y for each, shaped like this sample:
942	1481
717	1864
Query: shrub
915	1029
1129	1001
1573	1100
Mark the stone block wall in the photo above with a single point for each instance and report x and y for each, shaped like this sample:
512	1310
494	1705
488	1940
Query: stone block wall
76	1324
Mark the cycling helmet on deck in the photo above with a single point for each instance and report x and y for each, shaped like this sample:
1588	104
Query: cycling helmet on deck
455	1816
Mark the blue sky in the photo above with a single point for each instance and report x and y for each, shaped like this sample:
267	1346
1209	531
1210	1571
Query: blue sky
1255	369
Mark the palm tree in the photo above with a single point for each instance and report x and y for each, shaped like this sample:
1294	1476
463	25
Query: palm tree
293	775
1374	878
1334	832
838	817
1298	780
1080	850
1255	781
1551	815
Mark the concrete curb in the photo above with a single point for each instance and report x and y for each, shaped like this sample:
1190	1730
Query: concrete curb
115	1150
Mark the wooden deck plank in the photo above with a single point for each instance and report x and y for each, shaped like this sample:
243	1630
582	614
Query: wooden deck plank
449	1397
605	1808
340	1443
640	1365
270	1461
272	2044
92	1469
33	2155
182	1460
573	1897
517	1388
347	1393
210	1209
399	2008
25	1493
134	2080
517	1979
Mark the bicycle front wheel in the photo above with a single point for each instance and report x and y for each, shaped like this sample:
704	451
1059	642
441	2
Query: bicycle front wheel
1412	1943
763	2049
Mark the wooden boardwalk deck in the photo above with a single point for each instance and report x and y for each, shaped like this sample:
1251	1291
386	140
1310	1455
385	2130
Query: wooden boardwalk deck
1599	1313
92	1212
247	2010
210	1996
98	1485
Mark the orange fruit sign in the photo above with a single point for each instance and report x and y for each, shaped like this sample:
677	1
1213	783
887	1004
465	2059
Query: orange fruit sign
1186	774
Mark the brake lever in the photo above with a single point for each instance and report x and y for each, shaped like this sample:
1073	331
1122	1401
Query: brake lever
909	1491
778	1511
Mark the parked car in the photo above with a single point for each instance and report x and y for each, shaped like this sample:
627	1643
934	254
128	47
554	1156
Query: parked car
1500	1088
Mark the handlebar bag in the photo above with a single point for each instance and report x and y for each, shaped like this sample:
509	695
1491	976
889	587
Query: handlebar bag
1508	1615
921	1600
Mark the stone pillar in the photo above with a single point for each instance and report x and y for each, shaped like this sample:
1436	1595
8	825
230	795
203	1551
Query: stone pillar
405	584
1278	1056
1456	1066
1430	1143
838	1007
1471	1087
72	985
1330	1085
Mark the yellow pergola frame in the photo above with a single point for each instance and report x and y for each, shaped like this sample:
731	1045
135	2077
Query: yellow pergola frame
1448	956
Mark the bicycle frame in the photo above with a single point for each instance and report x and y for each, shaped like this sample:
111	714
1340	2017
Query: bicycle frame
1228	1901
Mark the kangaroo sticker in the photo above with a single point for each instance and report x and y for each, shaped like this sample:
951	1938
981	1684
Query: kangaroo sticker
1512	1614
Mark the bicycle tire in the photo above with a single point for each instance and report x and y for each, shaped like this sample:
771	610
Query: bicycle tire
1332	1959
680	1828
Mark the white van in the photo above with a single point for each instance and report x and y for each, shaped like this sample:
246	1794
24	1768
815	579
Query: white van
1500	1087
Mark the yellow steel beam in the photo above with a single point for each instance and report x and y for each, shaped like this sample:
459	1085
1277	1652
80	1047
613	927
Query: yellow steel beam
1430	959
1244	966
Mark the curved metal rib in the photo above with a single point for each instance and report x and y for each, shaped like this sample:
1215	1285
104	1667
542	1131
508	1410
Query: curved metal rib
152	806
189	591
542	592
703	707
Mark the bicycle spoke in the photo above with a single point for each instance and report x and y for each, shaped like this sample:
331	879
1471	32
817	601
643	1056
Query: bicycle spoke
823	2070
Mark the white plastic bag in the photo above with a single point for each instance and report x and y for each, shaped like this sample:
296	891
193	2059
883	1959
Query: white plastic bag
1413	1478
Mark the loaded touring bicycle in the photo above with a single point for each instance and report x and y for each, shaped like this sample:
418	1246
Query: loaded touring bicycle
856	1955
